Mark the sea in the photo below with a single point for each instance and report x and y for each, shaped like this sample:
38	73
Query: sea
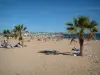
97	35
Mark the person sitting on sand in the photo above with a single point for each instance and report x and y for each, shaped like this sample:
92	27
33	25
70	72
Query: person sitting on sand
18	45
9	46
5	44
1	43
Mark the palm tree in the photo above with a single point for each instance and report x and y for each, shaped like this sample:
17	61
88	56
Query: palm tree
6	33
79	26
19	30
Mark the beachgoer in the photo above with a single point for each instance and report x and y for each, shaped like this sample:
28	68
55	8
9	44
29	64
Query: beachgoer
5	43
18	45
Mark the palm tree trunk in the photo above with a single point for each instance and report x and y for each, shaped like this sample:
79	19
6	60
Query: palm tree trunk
21	38
22	42
7	39
81	42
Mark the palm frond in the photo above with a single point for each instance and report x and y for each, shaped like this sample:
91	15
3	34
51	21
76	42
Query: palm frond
69	24
75	21
94	30
83	21
24	28
6	33
93	23
70	28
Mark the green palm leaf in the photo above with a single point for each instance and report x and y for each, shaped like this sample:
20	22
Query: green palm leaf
69	24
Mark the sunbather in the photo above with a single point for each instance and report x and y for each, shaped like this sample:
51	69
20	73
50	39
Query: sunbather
18	45
1	43
9	46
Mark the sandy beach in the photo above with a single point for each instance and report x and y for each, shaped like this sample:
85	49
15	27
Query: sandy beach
49	37
28	60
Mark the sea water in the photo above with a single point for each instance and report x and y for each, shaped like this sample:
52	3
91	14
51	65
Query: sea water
96	34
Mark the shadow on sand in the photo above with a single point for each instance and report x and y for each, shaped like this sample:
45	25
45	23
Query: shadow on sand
54	52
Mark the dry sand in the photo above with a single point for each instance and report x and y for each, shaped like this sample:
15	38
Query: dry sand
27	60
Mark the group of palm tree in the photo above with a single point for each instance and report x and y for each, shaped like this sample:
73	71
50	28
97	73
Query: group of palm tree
16	33
79	26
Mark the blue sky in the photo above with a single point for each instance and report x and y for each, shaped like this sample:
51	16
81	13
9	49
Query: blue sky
45	15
